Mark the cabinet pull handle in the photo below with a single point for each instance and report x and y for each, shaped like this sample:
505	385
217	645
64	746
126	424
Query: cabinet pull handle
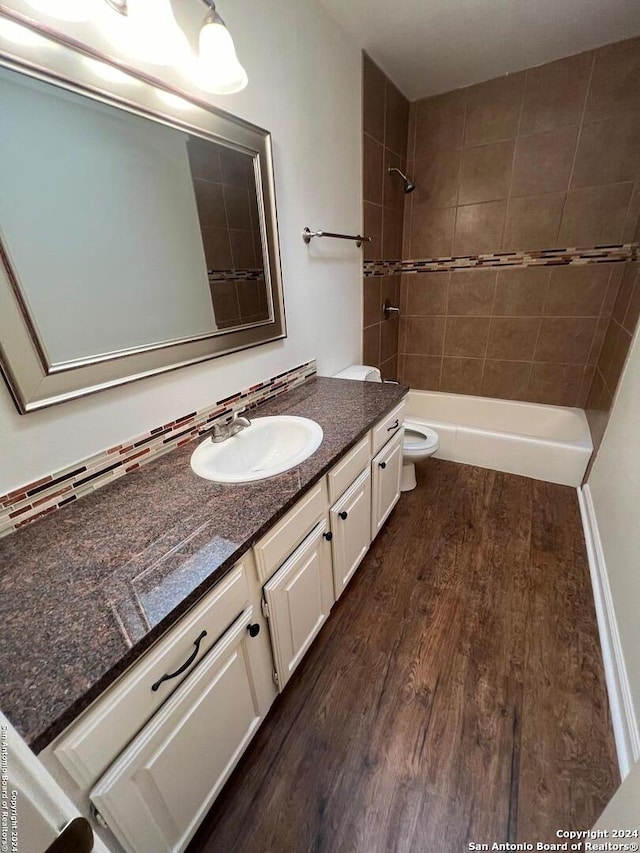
394	426
185	665
253	630
382	464
328	535
343	515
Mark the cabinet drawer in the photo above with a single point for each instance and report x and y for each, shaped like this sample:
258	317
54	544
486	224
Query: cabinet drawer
387	428
88	748
273	549
160	788
345	472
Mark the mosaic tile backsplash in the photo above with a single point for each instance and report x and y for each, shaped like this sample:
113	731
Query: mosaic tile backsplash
34	500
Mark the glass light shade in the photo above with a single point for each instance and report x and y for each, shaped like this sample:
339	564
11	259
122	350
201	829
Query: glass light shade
150	33
66	10
219	71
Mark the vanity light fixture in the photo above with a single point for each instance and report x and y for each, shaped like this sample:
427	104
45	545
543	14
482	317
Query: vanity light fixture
218	68
148	31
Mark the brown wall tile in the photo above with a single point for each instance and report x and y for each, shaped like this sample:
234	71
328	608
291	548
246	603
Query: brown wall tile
555	93
543	161
396	120
373	99
461	375
423	335
425	294
507	380
372	224
372	301
493	109
479	228
471	292
389	339
615	85
436	178
466	336
371	345
372	161
485	173
242	249
393	194
421	371
439	123
217	248
432	228
595	215
555	384
608	152
391	234
577	291
521	292
533	222
513	338
565	339
210	203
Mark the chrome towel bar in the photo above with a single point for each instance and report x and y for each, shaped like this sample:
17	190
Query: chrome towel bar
307	236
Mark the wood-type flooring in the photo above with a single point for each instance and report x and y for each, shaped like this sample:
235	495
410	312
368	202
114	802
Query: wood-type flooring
456	695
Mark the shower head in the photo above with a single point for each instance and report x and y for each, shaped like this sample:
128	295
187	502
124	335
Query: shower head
409	186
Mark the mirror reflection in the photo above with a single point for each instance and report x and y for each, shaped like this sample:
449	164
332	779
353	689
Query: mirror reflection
122	233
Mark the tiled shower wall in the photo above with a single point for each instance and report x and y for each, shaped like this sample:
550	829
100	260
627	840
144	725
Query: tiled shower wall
545	158
540	159
384	142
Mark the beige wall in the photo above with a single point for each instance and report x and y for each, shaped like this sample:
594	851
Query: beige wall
615	489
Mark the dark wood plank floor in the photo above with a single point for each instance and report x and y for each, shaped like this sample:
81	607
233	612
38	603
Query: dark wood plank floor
456	694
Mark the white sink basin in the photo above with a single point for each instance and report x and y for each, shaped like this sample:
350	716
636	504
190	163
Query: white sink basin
268	447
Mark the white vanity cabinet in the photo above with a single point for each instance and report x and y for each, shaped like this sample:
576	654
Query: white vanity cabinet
158	791
386	472
298	599
351	530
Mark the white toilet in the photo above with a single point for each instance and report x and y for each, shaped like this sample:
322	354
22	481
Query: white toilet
420	440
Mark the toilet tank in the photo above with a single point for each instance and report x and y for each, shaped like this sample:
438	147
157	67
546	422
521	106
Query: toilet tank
360	371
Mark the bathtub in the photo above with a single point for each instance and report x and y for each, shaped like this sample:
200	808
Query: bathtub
551	443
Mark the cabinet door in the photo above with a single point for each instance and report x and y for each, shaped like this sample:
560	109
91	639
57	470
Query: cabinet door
299	597
351	528
386	471
158	791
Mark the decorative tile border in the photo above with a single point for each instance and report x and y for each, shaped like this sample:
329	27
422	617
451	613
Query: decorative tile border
235	275
543	257
25	505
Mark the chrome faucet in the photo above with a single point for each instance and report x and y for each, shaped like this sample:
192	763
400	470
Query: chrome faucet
233	427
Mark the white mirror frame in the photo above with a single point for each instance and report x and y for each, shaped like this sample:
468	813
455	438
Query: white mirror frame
33	383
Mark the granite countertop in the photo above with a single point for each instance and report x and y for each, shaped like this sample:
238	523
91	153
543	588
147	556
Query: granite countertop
87	589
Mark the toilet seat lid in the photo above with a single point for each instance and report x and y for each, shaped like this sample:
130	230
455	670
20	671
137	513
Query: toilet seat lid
418	436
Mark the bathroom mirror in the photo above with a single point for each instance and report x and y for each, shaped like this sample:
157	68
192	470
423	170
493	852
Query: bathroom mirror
138	228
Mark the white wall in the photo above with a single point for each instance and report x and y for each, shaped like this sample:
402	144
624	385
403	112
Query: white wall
304	87
615	489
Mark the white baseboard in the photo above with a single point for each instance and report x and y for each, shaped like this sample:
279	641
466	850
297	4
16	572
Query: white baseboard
625	724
